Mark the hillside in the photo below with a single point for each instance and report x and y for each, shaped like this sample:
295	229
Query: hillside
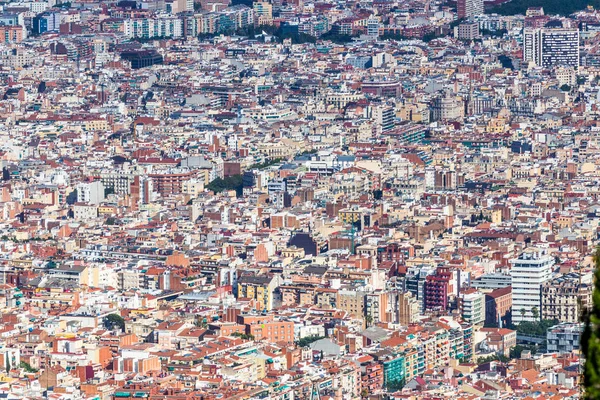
551	7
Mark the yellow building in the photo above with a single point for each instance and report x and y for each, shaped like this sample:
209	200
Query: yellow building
259	288
352	301
349	216
96	124
411	363
263	11
496	125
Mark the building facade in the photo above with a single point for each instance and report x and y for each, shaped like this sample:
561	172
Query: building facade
564	338
565	298
529	271
551	47
472	306
469	8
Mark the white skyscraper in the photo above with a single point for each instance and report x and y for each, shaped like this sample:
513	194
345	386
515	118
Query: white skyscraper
529	272
551	47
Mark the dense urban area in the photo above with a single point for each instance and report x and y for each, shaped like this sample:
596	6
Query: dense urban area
312	200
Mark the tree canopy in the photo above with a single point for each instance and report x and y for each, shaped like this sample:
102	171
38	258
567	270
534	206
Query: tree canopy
535	328
233	182
551	7
265	164
590	340
305	341
516	351
114	320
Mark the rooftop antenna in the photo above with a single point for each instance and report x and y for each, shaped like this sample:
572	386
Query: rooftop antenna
352	233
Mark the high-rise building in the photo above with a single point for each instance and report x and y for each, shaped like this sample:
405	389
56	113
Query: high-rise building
378	307
472	306
415	283
529	272
438	289
384	117
469	8
551	47
407	309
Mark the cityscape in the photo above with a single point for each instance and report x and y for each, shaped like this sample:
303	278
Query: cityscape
300	199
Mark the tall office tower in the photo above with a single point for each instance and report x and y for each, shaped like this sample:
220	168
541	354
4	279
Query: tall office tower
469	8
529	272
551	47
531	45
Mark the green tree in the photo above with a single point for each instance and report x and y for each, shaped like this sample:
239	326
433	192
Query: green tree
72	197
114	320
495	33
516	351
377	194
27	367
492	357
305	341
337	38
590	340
535	328
8	366
535	313
234	182
523	312
265	164
428	37
244	336
551	7
565	88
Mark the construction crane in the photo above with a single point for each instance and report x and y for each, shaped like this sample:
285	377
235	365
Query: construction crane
352	232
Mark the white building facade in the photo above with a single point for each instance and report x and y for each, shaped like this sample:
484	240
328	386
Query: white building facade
529	271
